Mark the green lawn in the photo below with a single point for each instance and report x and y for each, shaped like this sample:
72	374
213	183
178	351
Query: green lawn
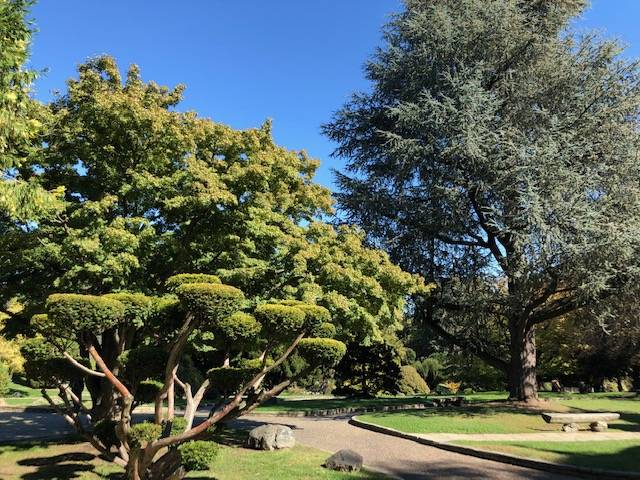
79	461
609	454
481	417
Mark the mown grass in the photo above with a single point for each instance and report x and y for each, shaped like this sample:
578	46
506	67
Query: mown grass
79	461
604	454
483	417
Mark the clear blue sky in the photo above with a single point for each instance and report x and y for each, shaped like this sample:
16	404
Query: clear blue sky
247	60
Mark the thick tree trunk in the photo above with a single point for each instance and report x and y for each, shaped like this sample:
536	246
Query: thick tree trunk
522	373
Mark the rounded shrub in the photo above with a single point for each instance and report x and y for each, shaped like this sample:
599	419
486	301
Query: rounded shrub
239	328
147	390
137	307
44	366
209	301
324	330
70	312
5	379
227	380
280	320
325	352
198	455
142	433
178	425
180	279
411	383
314	315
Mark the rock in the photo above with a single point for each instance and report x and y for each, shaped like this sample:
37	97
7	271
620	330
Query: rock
570	427
599	426
271	437
344	461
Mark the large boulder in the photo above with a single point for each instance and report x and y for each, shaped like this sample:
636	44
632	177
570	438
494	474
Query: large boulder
344	461
271	437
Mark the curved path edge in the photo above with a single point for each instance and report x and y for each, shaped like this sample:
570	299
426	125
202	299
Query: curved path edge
500	457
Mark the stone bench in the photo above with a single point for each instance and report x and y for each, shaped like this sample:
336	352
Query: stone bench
570	421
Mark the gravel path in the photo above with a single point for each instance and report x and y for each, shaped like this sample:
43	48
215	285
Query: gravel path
395	456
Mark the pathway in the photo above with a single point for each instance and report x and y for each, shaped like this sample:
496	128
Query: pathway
585	436
395	456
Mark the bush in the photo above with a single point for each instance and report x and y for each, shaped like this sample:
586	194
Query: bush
209	301
44	367
5	379
176	280
324	330
238	329
280	320
198	454
147	390
227	380
137	307
143	433
105	430
411	383
70	312
325	352
144	361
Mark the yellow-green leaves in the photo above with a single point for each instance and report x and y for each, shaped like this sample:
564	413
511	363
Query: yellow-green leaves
210	302
280	321
70	312
325	352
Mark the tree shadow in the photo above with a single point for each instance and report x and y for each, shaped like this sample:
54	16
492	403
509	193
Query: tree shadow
624	460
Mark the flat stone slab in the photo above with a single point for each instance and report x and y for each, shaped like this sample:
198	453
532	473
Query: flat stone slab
579	417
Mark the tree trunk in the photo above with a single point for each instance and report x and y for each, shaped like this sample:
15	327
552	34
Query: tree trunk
522	373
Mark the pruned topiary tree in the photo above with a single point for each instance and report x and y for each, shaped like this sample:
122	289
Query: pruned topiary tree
128	348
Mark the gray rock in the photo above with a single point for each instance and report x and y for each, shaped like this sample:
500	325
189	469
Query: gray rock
271	437
570	427
599	426
344	461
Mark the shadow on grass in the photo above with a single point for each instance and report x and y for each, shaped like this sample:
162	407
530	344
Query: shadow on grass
65	466
625	459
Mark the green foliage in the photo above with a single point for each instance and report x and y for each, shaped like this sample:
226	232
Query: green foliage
137	307
176	280
71	312
178	425
237	330
210	302
5	378
411	383
228	380
44	366
142	433
324	330
481	113
280	321
105	430
198	454
432	368
369	370
143	361
147	390
325	352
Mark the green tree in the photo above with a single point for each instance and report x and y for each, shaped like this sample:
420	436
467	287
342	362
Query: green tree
496	154
369	370
21	120
76	341
151	191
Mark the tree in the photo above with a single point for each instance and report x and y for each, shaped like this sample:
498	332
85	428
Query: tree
497	155
368	370
151	191
152	450
21	120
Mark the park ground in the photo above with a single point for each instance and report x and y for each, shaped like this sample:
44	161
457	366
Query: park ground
486	422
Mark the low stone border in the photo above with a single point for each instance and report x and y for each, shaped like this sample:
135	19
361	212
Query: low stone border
501	457
347	410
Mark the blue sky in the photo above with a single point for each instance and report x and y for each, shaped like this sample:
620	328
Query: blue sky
247	60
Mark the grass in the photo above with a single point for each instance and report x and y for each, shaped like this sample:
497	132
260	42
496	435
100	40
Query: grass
483	417
79	461
609	454
471	419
